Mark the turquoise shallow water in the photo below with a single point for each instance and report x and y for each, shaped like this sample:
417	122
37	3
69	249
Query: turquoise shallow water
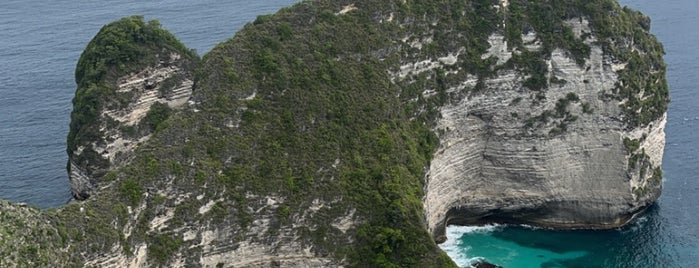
502	245
642	244
668	234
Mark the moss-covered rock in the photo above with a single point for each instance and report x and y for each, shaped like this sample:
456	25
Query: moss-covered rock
129	66
31	238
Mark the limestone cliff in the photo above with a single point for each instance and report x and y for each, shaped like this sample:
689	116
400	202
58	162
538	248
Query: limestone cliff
129	72
350	133
560	158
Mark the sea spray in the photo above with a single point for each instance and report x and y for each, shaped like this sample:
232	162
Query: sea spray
509	246
457	250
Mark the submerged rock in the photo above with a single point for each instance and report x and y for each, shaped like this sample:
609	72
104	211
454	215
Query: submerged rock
484	264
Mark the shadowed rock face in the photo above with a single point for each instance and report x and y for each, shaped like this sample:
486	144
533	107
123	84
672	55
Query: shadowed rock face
483	264
499	160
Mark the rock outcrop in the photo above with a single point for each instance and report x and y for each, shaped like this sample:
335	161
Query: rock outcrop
122	97
350	133
556	159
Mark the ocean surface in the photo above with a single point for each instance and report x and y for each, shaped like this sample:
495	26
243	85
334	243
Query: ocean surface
668	234
41	41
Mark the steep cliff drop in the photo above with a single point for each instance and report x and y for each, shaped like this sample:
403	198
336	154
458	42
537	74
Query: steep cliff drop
571	155
130	77
350	133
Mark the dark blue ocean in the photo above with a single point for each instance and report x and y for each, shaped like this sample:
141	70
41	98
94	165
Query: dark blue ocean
40	42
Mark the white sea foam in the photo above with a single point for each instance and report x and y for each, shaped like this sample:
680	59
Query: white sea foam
532	227
460	230
454	246
636	224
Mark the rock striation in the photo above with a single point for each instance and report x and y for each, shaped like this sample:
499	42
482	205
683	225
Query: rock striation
351	133
123	98
496	164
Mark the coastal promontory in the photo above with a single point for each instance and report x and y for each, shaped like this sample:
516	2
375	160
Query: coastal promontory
351	133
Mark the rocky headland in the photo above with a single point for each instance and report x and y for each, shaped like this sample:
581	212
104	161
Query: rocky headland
351	133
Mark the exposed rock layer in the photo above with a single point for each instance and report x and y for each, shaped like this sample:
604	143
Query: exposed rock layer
491	166
302	147
121	107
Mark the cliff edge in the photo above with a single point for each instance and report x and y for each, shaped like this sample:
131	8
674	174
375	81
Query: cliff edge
351	133
574	142
130	78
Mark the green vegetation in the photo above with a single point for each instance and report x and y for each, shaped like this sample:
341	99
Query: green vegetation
314	112
626	35
562	105
29	238
652	183
120	48
125	46
560	117
622	32
299	109
586	108
547	20
157	114
162	247
632	145
132	190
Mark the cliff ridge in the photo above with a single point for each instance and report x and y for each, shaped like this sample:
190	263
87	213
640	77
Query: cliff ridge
351	133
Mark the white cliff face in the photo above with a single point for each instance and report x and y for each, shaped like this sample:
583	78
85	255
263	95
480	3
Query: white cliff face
562	156
260	243
120	124
80	183
263	244
147	89
498	161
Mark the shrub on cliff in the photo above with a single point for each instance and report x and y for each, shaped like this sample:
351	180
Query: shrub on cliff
118	49
300	105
